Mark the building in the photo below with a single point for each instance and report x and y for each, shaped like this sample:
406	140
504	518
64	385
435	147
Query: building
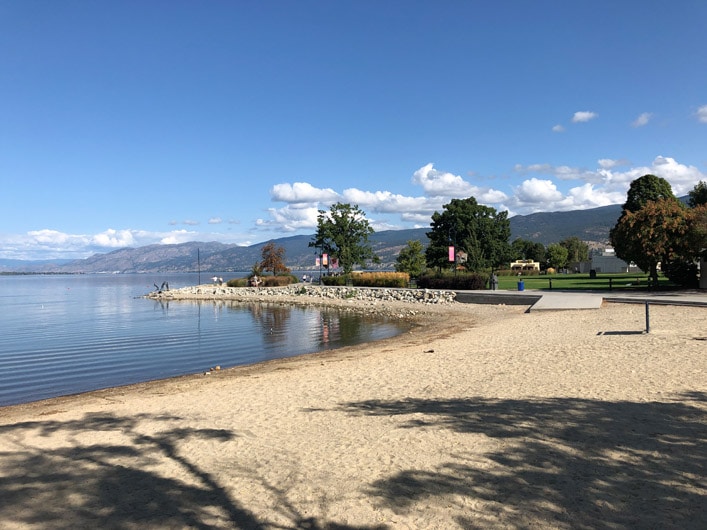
606	261
525	265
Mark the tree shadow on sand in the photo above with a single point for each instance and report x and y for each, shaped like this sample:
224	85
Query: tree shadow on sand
74	484
568	463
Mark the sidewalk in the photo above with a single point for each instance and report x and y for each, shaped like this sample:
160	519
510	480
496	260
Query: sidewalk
543	300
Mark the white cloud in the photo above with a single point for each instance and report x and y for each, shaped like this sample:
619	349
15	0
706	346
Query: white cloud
642	120
682	178
544	187
215	221
438	183
114	239
702	114
607	163
387	202
536	191
558	128
177	236
583	116
302	193
290	219
447	185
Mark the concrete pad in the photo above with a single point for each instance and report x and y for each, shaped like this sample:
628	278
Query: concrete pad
563	300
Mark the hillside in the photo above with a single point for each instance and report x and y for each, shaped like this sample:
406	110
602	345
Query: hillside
591	226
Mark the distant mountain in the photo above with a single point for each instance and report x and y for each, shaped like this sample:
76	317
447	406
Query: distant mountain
20	265
591	226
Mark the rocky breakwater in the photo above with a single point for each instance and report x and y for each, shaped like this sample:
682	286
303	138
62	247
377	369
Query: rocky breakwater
378	300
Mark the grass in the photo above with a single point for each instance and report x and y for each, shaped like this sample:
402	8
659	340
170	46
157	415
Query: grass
582	282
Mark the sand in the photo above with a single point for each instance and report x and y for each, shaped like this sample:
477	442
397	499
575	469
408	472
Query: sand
483	417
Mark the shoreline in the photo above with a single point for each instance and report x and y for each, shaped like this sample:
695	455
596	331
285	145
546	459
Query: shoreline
421	318
482	416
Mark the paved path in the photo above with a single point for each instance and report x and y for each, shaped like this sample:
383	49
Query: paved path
543	300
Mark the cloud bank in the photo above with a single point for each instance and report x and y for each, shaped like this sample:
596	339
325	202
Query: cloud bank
537	188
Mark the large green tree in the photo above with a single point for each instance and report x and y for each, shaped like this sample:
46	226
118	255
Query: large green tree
478	230
698	194
644	189
525	249
343	232
682	267
658	231
557	255
577	250
637	237
411	259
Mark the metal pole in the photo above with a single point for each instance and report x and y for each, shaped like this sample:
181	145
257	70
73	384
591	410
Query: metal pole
648	318
198	265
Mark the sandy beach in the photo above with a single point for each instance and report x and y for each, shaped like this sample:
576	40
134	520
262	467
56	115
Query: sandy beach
483	416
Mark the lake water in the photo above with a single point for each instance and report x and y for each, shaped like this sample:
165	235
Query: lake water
63	334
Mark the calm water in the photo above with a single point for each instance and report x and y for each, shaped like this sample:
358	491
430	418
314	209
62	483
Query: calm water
68	334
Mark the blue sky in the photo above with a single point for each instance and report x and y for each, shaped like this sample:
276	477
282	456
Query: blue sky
137	122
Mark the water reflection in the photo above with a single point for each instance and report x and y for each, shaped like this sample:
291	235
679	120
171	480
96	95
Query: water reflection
63	336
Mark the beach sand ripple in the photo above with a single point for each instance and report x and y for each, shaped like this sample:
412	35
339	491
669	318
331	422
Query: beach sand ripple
480	417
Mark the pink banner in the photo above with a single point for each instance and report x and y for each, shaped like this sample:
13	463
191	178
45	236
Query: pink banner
325	260
451	253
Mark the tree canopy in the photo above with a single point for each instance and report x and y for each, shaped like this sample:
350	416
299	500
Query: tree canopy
651	226
411	259
644	189
343	232
698	195
577	250
658	231
273	259
478	230
557	255
525	249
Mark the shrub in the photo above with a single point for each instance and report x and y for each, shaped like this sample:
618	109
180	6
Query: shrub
681	272
467	281
381	279
266	281
278	281
335	281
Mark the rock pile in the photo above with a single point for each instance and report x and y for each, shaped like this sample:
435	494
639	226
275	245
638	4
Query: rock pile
359	294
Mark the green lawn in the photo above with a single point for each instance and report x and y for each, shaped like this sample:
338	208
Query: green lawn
582	282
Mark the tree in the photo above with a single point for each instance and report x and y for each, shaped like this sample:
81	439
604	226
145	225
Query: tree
682	267
644	189
577	250
273	259
658	231
343	232
639	238
557	255
411	259
698	195
524	249
478	230
698	229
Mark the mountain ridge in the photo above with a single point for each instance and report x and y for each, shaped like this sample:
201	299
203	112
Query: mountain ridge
591	226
